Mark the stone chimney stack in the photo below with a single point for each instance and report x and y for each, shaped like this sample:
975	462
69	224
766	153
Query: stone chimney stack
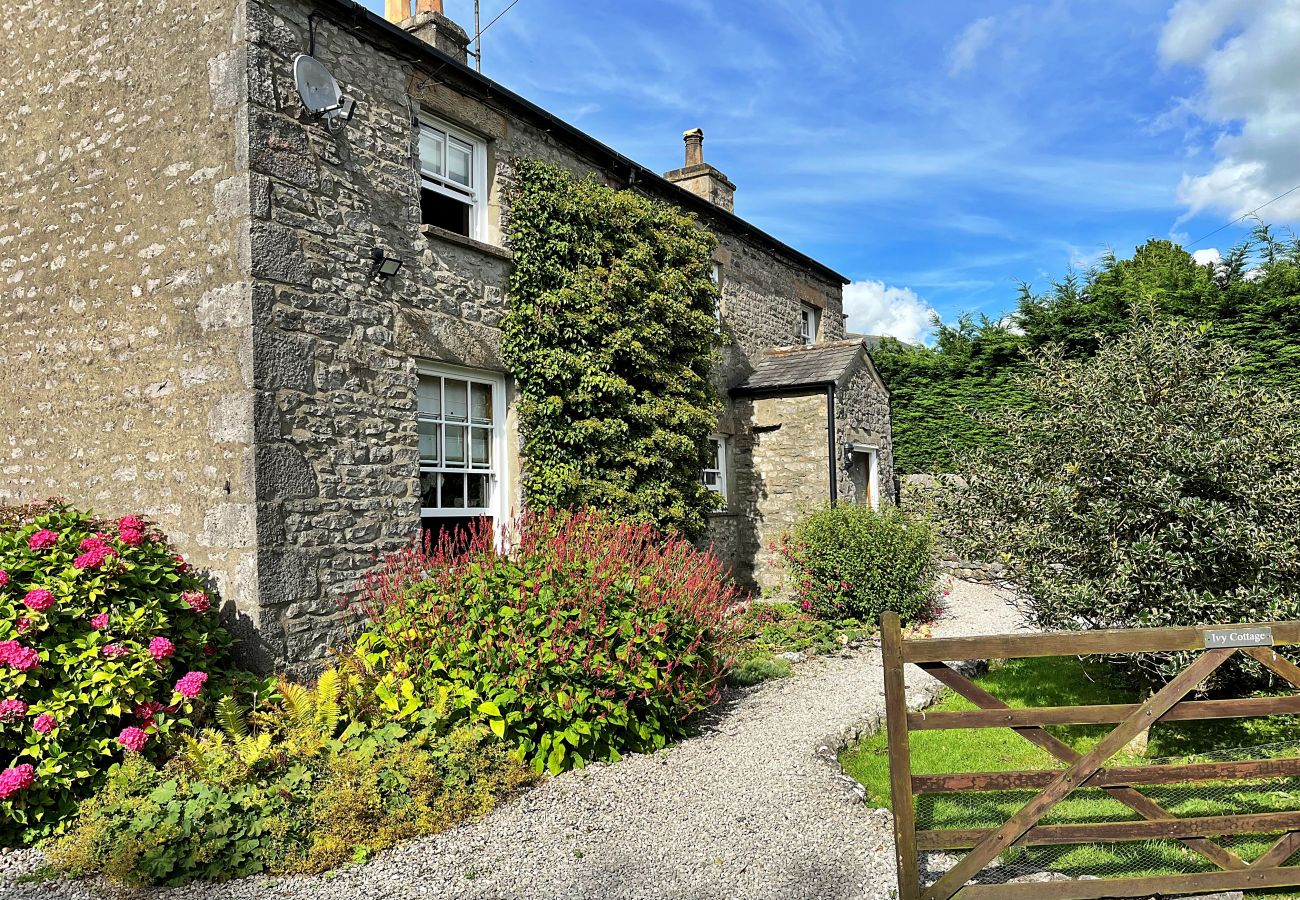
699	177
430	25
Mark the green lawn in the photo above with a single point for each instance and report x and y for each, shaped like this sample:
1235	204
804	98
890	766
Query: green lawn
1064	682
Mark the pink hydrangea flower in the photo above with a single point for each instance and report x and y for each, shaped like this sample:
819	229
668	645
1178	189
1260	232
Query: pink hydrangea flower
91	559
181	564
131	537
197	601
44	724
146	711
113	651
160	648
191	684
4	578
133	739
23	625
99	621
16	779
93	542
17	656
38	599
42	540
12	709
130	523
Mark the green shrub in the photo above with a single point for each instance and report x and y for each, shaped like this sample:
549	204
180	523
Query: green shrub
100	622
758	668
849	561
305	815
1149	486
590	638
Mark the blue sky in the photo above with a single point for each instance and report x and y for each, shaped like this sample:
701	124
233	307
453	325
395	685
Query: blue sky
937	153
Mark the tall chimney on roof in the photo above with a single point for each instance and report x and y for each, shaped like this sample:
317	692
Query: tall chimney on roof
430	25
699	177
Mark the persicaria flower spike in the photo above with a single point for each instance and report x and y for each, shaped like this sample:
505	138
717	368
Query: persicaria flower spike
4	578
16	779
42	540
44	724
160	648
38	599
191	684
133	739
12	709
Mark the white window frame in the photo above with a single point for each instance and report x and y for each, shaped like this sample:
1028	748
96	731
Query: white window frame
475	195
719	470
496	469
811	317
870	458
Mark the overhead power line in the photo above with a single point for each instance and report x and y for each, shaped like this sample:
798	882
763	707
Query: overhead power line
1245	215
478	32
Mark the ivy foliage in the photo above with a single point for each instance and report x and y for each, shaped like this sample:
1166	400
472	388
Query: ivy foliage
611	335
944	395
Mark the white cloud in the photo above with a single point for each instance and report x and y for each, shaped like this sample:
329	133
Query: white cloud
1246	51
1208	256
874	307
973	39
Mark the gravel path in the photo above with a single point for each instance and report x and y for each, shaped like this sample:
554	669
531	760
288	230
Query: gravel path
753	807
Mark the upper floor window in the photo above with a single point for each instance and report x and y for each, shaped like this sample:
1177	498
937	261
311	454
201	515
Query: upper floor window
810	320
715	470
453	179
459	415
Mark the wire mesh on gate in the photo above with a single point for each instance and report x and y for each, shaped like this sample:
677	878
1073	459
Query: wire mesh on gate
1131	859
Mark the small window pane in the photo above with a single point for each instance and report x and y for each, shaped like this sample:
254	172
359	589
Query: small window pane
428	396
454	395
478	491
480	399
429	441
455	445
480	447
459	158
453	490
429	489
432	150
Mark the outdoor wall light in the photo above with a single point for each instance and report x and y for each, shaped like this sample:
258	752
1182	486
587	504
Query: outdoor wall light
383	266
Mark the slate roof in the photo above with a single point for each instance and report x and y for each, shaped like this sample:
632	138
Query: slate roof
809	366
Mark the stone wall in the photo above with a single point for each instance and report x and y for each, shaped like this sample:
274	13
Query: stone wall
915	493
125	354
787	474
862	417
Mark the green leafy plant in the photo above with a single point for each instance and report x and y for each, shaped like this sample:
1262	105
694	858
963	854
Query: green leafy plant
590	638
849	561
106	640
766	630
611	334
1150	486
296	814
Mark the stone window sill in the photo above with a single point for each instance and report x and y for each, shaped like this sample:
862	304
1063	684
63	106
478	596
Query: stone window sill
722	514
433	232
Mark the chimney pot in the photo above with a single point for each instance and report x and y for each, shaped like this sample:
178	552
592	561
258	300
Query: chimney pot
434	6
694	147
397	10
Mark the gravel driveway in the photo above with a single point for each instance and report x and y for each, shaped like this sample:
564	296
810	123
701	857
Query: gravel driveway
753	807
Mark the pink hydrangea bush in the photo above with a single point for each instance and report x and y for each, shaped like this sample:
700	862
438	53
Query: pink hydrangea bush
99	619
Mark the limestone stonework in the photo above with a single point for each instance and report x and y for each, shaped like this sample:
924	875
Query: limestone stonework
193	331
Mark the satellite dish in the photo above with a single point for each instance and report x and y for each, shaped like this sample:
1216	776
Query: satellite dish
320	92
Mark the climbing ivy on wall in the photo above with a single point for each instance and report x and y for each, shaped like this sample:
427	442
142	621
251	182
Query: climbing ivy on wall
610	336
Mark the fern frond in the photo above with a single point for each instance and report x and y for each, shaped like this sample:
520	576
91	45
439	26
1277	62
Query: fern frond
299	703
327	703
231	716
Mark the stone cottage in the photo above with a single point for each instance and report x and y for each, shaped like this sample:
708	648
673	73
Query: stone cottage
199	323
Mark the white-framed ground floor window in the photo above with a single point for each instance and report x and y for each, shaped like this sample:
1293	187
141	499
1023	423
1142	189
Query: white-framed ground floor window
460	416
714	475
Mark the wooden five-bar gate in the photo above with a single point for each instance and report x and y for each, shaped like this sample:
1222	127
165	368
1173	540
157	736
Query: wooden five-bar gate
1087	770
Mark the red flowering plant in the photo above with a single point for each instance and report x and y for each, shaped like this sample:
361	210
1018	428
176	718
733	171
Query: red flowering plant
587	638
98	621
